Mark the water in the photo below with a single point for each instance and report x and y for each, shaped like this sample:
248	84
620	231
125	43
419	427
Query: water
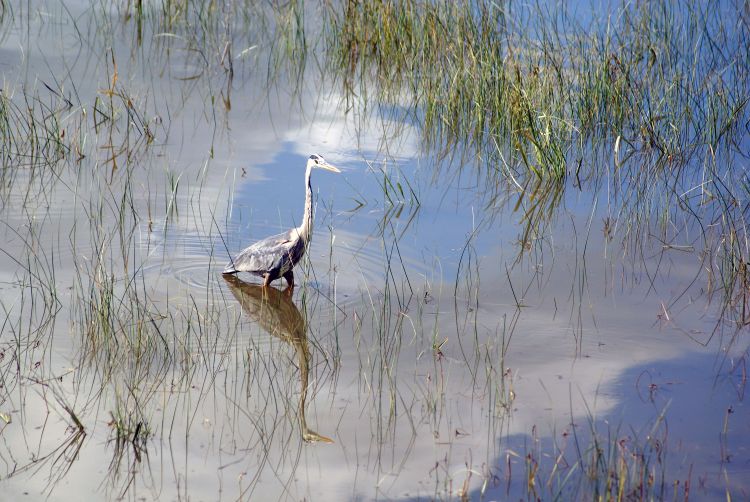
437	361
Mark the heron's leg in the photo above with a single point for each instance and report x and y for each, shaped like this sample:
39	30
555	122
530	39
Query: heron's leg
266	280
289	276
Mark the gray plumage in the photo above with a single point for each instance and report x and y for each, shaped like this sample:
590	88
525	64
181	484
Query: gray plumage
276	256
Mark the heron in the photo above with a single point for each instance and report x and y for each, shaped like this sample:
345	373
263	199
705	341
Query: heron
276	256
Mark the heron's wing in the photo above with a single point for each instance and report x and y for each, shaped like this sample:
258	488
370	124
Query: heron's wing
264	255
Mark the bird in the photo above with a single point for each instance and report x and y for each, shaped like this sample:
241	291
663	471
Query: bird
276	256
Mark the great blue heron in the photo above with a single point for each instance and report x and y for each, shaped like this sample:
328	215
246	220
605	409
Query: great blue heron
275	312
276	256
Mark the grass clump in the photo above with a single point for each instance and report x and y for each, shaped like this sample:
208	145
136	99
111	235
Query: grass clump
543	85
602	463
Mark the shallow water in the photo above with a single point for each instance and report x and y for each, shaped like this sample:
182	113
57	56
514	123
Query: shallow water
439	363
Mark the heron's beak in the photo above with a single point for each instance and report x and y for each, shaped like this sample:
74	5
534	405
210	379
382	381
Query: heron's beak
328	167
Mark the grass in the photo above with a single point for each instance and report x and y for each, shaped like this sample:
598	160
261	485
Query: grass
543	95
600	463
31	133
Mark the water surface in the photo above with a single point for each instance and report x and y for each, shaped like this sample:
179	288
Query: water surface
440	351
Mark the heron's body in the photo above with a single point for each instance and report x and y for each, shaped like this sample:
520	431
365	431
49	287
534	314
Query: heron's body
272	257
276	256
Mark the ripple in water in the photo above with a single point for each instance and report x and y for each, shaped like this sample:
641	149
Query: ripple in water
360	262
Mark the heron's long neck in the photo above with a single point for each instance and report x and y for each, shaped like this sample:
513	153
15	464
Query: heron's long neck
305	229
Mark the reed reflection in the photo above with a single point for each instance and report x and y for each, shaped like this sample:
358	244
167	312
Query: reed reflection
277	314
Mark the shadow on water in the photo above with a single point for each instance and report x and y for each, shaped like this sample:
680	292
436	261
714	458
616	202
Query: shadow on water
276	313
660	443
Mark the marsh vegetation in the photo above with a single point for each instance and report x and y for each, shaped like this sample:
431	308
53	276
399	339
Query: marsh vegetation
530	282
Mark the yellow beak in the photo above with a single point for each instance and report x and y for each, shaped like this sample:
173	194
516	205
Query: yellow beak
328	167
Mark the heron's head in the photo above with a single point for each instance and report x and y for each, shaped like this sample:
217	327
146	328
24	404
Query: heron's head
317	161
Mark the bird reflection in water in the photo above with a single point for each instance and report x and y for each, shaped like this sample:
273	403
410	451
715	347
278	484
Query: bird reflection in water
276	313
